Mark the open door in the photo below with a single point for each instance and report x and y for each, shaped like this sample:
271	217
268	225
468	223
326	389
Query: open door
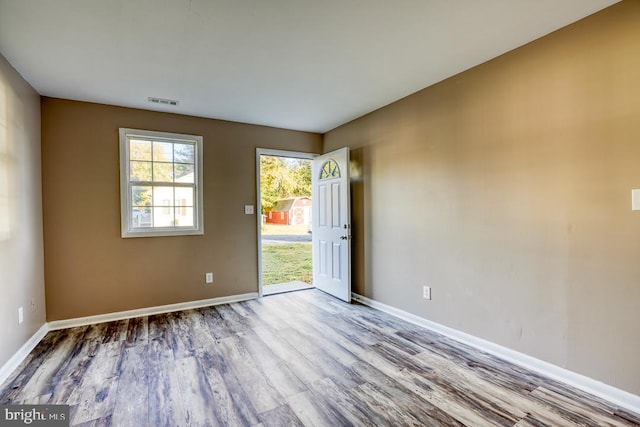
331	219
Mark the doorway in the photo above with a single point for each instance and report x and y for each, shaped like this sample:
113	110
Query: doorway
284	221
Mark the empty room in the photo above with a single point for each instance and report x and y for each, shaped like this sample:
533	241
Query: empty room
448	233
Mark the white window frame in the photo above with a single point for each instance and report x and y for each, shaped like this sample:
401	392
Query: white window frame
126	207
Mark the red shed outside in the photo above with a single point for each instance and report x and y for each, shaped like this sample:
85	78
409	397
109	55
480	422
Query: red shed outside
294	211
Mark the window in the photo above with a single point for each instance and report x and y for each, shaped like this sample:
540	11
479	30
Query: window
330	170
160	183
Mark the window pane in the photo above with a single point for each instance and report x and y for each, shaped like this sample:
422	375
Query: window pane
184	196
141	196
184	173
162	196
159	180
163	216
141	217
139	150
163	172
330	170
162	151
183	153
140	171
184	217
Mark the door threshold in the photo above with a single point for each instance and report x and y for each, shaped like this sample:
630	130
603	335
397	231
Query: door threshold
285	287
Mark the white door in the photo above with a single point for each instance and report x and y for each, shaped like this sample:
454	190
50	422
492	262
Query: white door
332	224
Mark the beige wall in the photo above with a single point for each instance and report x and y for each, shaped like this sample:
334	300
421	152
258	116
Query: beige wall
90	269
21	258
507	189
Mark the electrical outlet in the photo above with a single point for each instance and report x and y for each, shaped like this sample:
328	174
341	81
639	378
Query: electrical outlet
426	292
208	278
20	315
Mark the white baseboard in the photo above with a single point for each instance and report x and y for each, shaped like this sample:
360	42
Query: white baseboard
614	395
7	369
120	315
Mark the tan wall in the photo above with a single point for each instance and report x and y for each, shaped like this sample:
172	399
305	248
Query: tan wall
507	189
90	269
21	257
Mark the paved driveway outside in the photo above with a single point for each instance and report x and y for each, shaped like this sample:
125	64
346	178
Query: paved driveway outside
283	239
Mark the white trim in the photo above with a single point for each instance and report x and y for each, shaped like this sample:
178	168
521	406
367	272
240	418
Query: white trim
7	369
614	395
276	153
285	153
120	315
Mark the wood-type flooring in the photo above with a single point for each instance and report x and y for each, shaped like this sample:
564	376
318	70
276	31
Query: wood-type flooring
295	359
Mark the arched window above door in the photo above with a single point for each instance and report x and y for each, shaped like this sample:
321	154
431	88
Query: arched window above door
330	170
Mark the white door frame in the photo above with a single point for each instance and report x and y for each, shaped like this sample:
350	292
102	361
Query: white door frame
277	153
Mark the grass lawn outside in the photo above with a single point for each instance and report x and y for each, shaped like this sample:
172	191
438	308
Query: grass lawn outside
286	263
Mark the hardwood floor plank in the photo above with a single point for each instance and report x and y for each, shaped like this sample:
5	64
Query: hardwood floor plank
233	406
312	332
116	331
490	367
39	380
383	407
23	373
218	327
137	331
316	412
389	393
160	339
95	396
100	422
450	400
301	367
517	399
132	395
201	336
530	422
349	339
269	317
575	410
263	395
196	393
341	401
275	370
325	360
234	322
282	416
300	359
38	400
245	312
165	401
72	371
181	336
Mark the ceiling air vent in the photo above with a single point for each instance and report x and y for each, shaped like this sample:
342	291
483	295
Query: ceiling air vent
163	101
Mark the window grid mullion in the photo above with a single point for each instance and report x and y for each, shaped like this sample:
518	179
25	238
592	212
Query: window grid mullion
162	184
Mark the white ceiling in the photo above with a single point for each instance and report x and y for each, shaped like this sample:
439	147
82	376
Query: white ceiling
297	64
